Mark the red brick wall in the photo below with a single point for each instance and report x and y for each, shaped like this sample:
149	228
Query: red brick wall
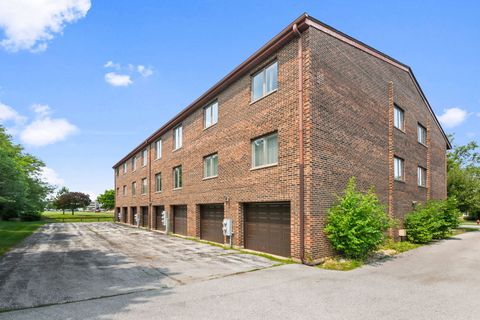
347	109
350	116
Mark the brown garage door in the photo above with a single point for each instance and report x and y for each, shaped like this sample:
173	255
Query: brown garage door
144	217
133	212
124	214
211	217
267	227
158	218
180	220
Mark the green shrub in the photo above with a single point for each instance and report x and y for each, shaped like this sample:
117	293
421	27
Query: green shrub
357	222
433	220
31	216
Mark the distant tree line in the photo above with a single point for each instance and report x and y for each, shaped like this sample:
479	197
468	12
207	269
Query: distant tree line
22	191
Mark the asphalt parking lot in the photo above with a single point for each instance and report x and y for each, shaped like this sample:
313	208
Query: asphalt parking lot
109	272
66	262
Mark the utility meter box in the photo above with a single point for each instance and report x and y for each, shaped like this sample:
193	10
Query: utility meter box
227	227
137	219
165	221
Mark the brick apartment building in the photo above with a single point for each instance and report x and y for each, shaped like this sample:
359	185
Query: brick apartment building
272	143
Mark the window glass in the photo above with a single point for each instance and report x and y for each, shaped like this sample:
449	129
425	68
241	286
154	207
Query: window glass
398	118
265	150
177	177
134	188
144	157
158	182
210	166
158	149
144	185
134	163
398	168
257	86
271	78
422	177
422	134
177	137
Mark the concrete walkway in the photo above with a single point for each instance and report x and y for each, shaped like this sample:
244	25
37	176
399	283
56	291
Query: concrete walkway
438	281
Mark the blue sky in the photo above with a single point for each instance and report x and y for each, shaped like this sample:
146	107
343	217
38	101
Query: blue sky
62	99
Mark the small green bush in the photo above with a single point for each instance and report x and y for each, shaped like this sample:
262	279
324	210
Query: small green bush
433	220
357	222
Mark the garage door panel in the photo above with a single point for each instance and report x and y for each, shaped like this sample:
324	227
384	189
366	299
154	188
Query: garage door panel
267	227
211	217
180	219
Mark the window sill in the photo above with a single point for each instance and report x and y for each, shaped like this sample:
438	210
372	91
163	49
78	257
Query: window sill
422	144
422	187
210	126
175	150
175	189
157	192
264	166
157	159
261	98
398	180
209	178
401	130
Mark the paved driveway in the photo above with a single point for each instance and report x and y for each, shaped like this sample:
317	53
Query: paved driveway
438	281
80	261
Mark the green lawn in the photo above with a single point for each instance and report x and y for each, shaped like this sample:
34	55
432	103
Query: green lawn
77	217
12	232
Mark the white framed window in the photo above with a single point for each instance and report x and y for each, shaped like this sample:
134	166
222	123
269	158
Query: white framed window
421	134
144	157
125	165
210	166
124	190
158	149
177	177
265	151
144	186
158	182
178	137
134	163
398	118
265	81
134	188
421	177
398	169
210	115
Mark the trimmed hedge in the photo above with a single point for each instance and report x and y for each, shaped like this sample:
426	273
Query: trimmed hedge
357	222
433	220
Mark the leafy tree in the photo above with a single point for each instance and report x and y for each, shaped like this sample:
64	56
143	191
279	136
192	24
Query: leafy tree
107	199
74	200
463	164
357	222
22	192
57	204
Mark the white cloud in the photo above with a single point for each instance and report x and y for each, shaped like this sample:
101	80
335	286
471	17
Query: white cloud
31	24
118	80
111	64
452	117
51	176
144	71
41	110
128	71
45	131
7	113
